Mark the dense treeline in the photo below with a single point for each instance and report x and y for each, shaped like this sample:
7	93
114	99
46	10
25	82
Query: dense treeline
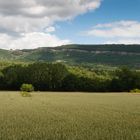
58	77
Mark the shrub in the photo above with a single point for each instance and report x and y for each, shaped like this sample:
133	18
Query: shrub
27	88
135	91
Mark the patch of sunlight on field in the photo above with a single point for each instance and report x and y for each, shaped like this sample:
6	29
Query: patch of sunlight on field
69	116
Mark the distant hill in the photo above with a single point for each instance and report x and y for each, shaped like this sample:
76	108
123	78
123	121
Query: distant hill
113	55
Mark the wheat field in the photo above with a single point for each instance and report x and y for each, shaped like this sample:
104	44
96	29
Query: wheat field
69	116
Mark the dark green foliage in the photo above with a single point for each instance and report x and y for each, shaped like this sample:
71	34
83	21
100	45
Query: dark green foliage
58	77
14	76
1	80
125	80
75	83
27	88
46	76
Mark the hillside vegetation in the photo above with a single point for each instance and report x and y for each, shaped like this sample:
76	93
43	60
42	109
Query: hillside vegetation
86	55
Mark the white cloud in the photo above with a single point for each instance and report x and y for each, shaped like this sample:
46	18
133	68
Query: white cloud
19	24
123	41
123	29
127	32
31	40
50	29
30	17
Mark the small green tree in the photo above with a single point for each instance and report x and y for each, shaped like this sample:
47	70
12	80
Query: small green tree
135	91
27	88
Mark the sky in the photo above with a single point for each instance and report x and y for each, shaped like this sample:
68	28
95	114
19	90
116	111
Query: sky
26	24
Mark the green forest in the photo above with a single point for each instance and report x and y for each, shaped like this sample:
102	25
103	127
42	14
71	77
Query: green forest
59	77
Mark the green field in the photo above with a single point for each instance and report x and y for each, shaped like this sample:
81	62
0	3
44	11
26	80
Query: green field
73	116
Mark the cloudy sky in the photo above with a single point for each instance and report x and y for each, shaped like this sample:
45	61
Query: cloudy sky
49	23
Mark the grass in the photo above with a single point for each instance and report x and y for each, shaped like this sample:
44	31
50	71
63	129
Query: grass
73	116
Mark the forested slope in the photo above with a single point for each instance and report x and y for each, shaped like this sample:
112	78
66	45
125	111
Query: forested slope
114	55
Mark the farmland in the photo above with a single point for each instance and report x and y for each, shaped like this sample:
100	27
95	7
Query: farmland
69	116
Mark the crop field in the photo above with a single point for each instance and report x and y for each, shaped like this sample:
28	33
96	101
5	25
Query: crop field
69	116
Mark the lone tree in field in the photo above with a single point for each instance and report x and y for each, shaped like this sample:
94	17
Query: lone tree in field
27	88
